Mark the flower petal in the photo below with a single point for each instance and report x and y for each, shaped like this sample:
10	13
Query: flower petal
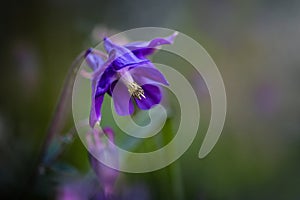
146	74
98	72
143	49
97	100
106	152
100	86
153	97
93	60
123	56
106	78
122	99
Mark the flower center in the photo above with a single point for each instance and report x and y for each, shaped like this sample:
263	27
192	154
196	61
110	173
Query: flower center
135	90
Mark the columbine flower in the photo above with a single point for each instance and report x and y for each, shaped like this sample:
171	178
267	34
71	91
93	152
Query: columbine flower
104	150
126	75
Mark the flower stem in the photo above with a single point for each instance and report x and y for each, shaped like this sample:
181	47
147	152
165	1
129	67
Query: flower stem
58	116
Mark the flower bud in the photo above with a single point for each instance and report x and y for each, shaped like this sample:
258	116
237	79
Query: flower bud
101	148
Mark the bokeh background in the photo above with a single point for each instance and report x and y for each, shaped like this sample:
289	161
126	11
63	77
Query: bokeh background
254	43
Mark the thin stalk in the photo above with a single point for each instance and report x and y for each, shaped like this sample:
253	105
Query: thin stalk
177	182
58	117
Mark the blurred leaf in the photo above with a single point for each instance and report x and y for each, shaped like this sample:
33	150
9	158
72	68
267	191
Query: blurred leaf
64	168
56	147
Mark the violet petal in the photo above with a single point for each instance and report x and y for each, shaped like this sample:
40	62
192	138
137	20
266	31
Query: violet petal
146	74
123	56
99	88
153	97
97	100
122	99
105	65
104	151
143	49
93	60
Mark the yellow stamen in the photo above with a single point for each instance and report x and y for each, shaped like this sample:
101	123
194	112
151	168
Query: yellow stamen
135	90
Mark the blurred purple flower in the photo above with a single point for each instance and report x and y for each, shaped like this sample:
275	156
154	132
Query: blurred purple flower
137	191
26	59
266	99
69	193
75	190
104	150
128	68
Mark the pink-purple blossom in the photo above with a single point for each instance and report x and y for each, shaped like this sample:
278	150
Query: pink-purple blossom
127	75
101	148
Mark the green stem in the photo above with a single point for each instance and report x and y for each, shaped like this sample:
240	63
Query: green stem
177	182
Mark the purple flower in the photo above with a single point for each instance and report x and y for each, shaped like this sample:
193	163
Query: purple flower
77	188
127	75
104	150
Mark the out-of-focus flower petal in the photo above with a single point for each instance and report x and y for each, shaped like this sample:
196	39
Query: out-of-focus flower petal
103	150
77	188
153	97
93	60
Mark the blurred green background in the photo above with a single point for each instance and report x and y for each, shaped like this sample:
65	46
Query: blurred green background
256	46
